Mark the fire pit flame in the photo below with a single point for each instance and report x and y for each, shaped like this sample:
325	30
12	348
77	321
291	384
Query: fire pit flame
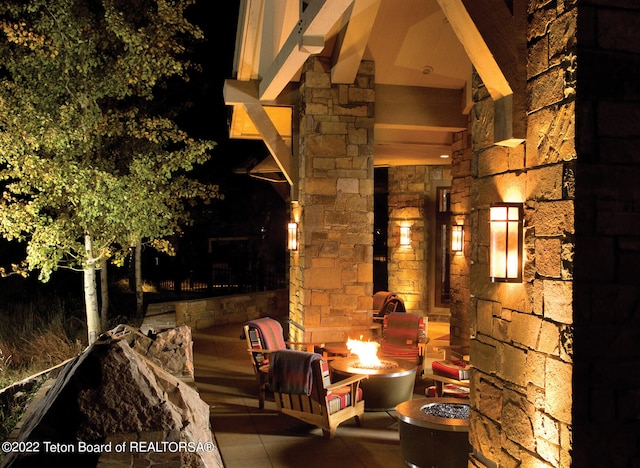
367	352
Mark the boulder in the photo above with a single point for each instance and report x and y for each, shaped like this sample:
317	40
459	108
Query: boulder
170	349
112	405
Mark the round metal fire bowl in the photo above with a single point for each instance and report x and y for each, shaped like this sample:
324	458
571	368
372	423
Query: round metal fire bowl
385	388
427	440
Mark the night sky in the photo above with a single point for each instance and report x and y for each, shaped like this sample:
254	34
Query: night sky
215	54
251	207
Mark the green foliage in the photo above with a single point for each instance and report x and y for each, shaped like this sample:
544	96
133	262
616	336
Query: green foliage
85	148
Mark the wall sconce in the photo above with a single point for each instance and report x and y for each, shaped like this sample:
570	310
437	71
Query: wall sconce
292	236
457	238
405	236
506	244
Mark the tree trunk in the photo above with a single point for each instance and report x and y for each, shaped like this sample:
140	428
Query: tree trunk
90	292
138	269
104	294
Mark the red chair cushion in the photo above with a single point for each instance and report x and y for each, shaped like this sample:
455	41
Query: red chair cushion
455	369
449	390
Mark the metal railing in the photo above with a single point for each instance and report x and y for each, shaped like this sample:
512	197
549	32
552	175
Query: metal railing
224	280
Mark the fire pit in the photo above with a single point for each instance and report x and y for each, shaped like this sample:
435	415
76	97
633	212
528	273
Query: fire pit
434	432
390	382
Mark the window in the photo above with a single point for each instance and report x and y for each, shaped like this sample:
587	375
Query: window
442	240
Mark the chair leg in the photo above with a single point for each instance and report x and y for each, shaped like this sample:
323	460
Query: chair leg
261	395
329	433
263	380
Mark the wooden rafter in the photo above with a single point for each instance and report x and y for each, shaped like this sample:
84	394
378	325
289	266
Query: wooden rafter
245	94
305	40
353	40
491	39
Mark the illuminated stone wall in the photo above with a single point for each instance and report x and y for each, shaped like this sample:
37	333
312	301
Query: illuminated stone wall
555	358
407	264
411	203
460	262
332	271
522	334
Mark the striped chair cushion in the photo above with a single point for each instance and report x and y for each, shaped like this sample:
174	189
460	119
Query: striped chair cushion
340	398
326	376
454	369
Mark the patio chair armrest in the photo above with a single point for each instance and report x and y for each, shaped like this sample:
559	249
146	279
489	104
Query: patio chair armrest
261	351
348	381
454	351
309	347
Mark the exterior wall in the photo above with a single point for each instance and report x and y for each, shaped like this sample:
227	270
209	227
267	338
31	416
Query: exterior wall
606	422
522	334
411	190
332	270
460	263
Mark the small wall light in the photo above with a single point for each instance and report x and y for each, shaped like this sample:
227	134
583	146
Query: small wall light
292	236
405	236
457	238
506	244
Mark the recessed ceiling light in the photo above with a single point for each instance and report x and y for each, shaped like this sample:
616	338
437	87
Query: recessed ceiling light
444	156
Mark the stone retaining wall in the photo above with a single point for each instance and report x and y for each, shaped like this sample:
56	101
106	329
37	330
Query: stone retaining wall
212	311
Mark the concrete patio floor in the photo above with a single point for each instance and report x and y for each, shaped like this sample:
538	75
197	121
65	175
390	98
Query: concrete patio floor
249	437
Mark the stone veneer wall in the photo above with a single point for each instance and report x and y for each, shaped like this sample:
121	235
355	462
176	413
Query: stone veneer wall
332	271
411	190
460	262
216	311
606	423
521	334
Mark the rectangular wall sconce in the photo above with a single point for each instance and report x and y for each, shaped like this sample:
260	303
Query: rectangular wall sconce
506	243
405	236
457	238
292	236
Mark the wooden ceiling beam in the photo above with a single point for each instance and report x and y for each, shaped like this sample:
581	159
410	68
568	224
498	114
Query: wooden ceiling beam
307	38
414	106
496	45
245	94
352	41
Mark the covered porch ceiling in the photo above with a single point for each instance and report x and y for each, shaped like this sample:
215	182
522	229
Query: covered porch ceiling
423	72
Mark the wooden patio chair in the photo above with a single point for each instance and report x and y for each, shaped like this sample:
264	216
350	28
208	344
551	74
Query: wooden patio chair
265	336
451	374
385	302
302	389
404	336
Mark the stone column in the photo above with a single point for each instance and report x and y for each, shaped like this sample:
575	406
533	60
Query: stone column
332	271
521	333
461	159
